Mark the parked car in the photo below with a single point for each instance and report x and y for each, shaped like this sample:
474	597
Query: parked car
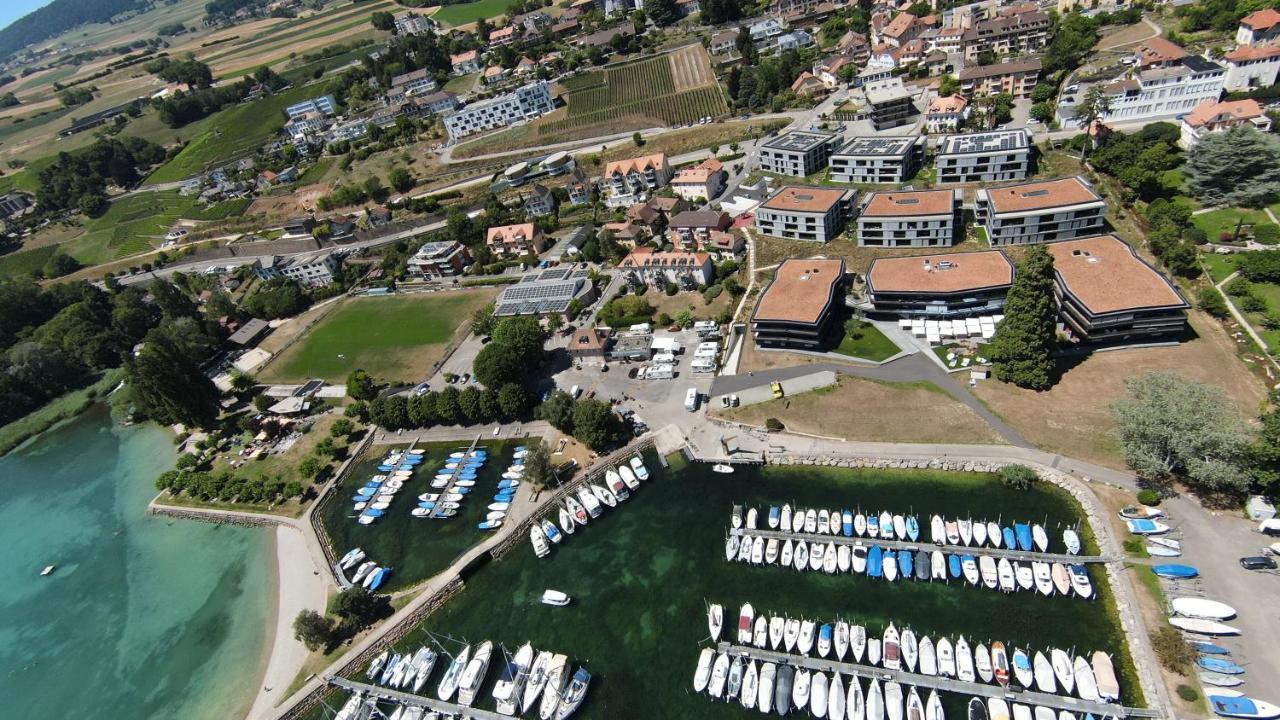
1070	89
1257	562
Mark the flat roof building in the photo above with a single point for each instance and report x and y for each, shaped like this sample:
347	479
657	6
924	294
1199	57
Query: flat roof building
940	286
441	258
1039	212
890	103
920	218
545	291
799	153
878	160
802	212
1106	293
798	309
523	103
984	157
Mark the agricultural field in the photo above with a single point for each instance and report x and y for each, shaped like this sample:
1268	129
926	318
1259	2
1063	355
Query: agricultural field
397	338
676	88
466	13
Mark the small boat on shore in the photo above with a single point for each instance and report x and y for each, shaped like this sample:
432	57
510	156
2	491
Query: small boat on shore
1241	707
1176	572
1202	608
1207	648
1219	665
1219	680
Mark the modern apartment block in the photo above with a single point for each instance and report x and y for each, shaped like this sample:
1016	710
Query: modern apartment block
878	160
798	309
802	212
1106	293
890	103
441	258
1040	212
921	218
984	157
524	103
799	153
940	286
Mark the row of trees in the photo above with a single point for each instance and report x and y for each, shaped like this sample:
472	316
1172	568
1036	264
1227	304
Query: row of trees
228	487
472	405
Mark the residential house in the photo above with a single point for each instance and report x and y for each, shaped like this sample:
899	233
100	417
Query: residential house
341	226
703	181
808	85
691	229
902	28
890	103
504	36
854	45
523	103
439	259
578	187
828	71
1159	52
801	212
688	270
793	40
268	179
15	204
724	42
764	31
949	40
353	130
798	153
984	157
408	23
876	160
439	102
630	180
378	216
800	308
1016	77
1251	66
918	219
1040	212
515	240
299	226
1261	26
465	62
1210	117
418	82
565	28
946	114
540	201
944	286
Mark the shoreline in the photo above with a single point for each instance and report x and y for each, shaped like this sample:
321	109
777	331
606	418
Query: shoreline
298	585
272	550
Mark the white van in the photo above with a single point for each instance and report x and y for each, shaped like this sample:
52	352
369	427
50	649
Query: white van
574	392
703	365
691	400
660	372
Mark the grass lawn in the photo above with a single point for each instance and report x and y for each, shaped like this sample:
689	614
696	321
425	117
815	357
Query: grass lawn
463	13
859	409
872	345
1219	267
396	338
1270	293
1224	220
23	263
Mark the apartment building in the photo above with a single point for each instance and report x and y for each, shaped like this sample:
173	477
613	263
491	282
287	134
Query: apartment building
1013	34
311	270
1016	77
323	104
890	103
408	23
940	286
1107	294
703	181
920	218
902	29
984	157
465	62
514	240
691	229
799	153
800	308
874	160
442	258
802	212
946	114
524	103
1040	212
1251	66
418	82
1167	88
1210	117
651	266
629	181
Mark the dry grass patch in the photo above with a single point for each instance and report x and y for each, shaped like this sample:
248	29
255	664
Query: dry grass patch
1073	418
858	409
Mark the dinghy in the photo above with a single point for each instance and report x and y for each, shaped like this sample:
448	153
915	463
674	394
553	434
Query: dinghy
1104	676
1040	538
1208	648
1201	626
835	522
842	558
1219	665
859	524
1219	680
938	565
1023	576
1086	686
1241	707
752	518
731	545
1007	579
735	679
1202	608
933	708
786	558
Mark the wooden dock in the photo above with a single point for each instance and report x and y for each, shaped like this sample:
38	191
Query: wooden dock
1026	556
1010	694
410	699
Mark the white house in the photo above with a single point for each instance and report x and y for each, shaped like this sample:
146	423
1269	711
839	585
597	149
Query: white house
700	182
1211	117
1252	66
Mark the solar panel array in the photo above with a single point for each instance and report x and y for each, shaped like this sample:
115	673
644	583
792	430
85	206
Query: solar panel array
545	292
1002	141
798	141
879	146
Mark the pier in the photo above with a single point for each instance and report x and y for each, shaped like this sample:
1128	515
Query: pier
1027	555
453	476
902	677
410	699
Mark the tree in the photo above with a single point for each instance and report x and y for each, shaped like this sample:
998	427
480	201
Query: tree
1238	167
401	179
1023	346
557	409
1093	107
637	139
662	12
383	20
1171	427
342	427
1210	301
312	629
359	606
1018	477
311	467
745	46
167	382
948	85
513	400
537	465
594	424
1074	36
483	321
360	386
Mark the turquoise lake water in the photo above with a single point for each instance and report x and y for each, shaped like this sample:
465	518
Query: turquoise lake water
145	617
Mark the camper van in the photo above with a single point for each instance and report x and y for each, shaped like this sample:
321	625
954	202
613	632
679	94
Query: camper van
664	359
691	400
707	350
706	327
660	372
703	365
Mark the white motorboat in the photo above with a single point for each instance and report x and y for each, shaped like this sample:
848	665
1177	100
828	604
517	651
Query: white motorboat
731	546
722	468
1071	539
1040	538
507	691
1202	608
365	569
915	707
715	620
937	565
840	639
768	678
997	709
965	528
786	557
702	675
1104	674
933	708
891	649
1080	581
628	477
800	689
777	630
557	678
604	495
589	501
893	700
573	693
928	657
760	637
1061	578
425	666
554	597
797	520
964	660
1023	576
791	634
1043	577
474	673
875	701
805	643
784	520
835	698
750	686
946	658
993	534
539	540
984	568
576	511
1061	662
1004	569
771	551
979	533
907	644
818	695
746	619
753	516
637	467
1020	663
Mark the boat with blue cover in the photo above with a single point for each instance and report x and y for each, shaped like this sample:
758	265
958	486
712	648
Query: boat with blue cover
875	561
1219	665
1022	531
1146	527
846	523
385	468
490	525
1178	572
1010	541
1207	648
1241	707
913	528
905	564
378	578
953	566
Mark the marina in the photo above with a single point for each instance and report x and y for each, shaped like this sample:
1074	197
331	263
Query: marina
454	475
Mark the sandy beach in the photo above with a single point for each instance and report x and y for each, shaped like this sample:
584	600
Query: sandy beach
301	584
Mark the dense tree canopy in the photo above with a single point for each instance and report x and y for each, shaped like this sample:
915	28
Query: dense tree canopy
1023	346
512	354
167	381
190	72
74	175
1238	167
595	424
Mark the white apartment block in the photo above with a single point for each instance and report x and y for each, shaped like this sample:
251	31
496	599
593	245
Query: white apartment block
1165	91
801	212
1040	212
630	181
922	218
799	153
524	103
878	160
984	157
1250	66
312	270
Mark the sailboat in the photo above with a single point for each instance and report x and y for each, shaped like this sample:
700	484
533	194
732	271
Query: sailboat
537	681
574	693
557	676
449	683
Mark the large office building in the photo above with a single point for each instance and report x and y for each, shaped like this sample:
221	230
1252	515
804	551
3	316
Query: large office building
1040	212
984	157
802	212
524	103
878	160
800	153
940	286
1106	293
890	103
920	218
799	308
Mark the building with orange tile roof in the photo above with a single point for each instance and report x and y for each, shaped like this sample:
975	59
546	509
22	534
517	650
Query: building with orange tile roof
520	239
945	114
630	180
1252	66
910	218
946	285
651	266
700	182
1258	27
1040	212
802	212
1106	293
1158	52
1210	117
902	28
798	309
465	62
503	36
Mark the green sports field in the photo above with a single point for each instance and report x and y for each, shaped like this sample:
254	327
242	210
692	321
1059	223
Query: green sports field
396	338
463	13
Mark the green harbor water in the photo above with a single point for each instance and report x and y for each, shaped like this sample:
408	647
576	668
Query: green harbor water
415	548
641	577
145	617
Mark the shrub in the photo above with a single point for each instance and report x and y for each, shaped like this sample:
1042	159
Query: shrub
1267	234
1134	546
1148	497
1188	693
1253	304
1018	477
1172	650
1210	301
773	425
1238	287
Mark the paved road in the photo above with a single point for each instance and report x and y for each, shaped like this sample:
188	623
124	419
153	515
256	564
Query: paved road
905	369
